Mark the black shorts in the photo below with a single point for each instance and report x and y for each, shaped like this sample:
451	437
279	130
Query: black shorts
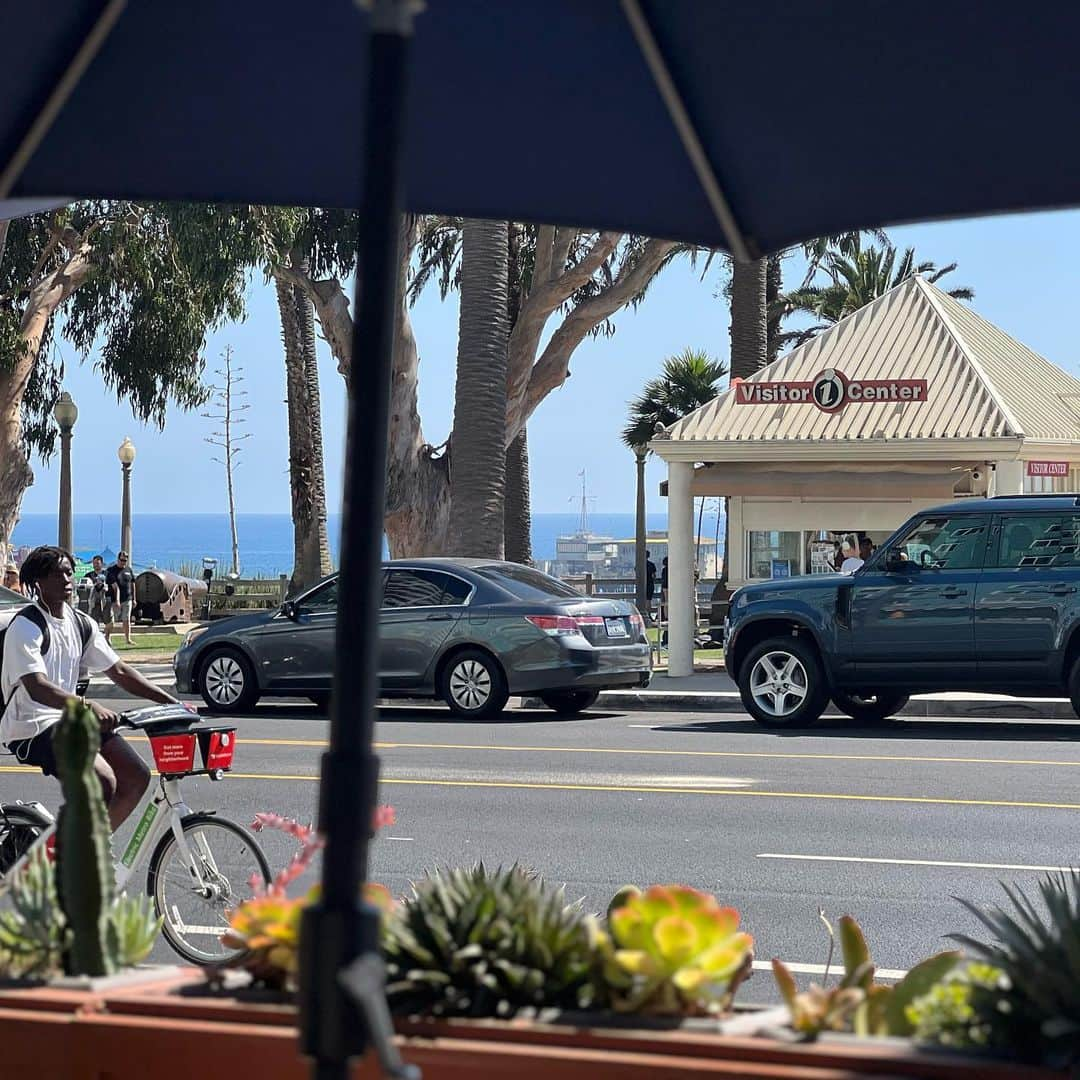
39	750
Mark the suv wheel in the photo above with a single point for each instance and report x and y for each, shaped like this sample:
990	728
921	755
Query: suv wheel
782	683
871	708
569	702
473	685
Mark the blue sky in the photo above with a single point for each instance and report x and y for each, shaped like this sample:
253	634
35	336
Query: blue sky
1022	268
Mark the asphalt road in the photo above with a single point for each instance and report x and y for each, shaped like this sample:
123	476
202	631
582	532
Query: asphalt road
886	824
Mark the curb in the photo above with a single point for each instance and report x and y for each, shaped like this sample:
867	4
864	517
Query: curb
984	708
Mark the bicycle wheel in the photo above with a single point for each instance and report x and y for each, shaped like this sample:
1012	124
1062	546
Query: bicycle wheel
20	826
194	899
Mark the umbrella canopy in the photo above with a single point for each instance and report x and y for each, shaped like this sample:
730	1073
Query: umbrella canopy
740	125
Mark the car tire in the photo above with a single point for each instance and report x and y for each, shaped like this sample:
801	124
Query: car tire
227	681
473	685
569	702
871	708
782	683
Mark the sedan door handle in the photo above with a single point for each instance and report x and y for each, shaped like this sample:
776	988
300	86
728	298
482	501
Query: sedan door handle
1062	590
952	592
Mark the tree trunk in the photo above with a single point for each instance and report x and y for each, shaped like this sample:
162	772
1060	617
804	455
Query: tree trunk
748	318
45	298
774	284
306	547
517	511
478	450
517	514
306	313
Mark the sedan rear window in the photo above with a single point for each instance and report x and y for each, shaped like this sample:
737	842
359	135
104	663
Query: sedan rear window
525	583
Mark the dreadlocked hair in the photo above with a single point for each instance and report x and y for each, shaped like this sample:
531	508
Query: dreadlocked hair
40	563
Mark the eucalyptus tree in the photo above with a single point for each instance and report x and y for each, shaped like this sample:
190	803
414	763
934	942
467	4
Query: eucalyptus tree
138	286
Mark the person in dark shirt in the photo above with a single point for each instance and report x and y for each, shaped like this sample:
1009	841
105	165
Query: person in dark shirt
120	582
100	607
650	583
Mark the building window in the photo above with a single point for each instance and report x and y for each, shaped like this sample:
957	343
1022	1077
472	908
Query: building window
774	554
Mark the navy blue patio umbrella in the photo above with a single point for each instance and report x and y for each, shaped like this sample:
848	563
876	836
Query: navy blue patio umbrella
743	125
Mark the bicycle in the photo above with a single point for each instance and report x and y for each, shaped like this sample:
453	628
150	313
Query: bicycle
201	865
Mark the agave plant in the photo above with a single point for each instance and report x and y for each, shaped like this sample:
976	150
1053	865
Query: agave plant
475	942
674	950
1038	953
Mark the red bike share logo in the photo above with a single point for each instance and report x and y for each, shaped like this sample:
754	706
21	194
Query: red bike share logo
830	391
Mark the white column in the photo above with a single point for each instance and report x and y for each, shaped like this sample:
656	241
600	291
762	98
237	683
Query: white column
1009	478
680	569
736	566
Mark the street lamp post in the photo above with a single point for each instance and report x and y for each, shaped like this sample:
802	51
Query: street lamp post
126	454
639	547
65	414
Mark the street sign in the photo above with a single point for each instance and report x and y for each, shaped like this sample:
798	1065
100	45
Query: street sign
1048	468
830	390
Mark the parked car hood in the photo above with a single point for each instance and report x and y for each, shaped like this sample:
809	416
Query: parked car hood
763	590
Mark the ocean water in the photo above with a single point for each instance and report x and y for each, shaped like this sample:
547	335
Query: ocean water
168	541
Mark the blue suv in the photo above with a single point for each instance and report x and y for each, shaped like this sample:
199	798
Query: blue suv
975	595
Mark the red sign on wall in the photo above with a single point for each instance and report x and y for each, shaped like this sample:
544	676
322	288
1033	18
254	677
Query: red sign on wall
830	391
1048	468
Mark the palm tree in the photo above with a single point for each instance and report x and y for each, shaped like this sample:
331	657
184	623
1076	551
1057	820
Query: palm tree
477	474
855	278
686	382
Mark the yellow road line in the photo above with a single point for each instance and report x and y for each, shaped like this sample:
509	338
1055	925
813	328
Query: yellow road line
655	790
676	753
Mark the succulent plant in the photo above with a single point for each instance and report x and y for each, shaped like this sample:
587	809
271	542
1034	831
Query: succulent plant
673	950
1038	953
969	1008
133	929
856	1003
476	942
33	934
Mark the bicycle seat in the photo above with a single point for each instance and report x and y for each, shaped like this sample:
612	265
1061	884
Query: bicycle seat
161	719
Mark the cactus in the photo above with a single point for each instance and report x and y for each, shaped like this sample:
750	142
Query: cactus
673	950
84	867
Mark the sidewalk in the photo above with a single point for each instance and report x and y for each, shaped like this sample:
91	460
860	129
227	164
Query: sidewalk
714	691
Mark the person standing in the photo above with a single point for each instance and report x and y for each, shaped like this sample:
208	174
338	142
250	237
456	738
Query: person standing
650	583
100	604
120	582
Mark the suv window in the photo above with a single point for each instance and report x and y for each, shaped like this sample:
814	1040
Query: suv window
1034	540
422	588
946	543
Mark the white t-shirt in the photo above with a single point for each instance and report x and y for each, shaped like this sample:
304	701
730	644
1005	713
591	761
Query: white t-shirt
850	564
24	718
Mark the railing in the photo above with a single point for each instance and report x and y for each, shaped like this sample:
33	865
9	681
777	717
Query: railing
233	596
625	588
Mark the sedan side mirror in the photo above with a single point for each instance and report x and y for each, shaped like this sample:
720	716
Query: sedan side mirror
288	609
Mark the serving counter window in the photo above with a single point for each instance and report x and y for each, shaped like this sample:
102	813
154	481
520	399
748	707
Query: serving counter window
774	554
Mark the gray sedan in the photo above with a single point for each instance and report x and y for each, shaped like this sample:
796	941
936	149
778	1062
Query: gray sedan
469	631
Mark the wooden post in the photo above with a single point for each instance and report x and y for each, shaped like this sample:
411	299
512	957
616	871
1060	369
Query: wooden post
588	584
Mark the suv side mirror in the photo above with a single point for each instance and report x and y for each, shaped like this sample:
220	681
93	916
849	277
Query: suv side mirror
288	609
894	561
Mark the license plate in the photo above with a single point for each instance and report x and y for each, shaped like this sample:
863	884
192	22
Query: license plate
616	628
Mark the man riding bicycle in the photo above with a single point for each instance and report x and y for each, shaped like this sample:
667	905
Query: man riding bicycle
45	646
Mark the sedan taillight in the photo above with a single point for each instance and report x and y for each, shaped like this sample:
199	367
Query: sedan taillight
638	623
554	625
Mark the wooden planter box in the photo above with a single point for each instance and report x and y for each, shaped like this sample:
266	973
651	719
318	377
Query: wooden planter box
168	1029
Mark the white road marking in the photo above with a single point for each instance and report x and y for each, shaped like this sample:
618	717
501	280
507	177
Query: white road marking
913	862
819	969
399	837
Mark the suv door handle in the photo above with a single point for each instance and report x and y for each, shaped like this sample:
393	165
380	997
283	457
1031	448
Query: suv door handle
952	592
439	616
1062	590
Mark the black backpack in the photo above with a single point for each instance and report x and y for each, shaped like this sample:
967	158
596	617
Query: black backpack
37	617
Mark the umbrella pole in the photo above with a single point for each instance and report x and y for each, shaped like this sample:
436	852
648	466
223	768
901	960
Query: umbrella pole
339	932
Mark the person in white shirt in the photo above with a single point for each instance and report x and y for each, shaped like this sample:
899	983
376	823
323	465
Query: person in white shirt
851	562
38	680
